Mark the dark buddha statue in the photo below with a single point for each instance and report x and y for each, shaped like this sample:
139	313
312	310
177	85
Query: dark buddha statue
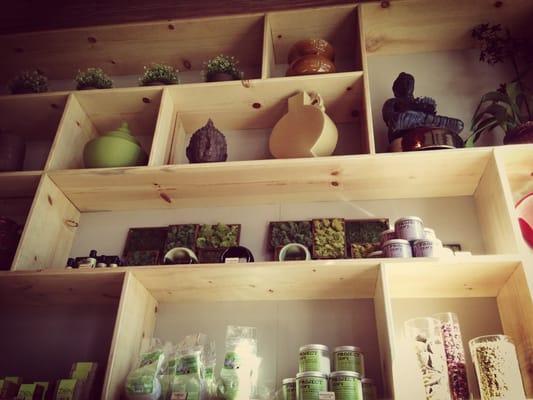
405	112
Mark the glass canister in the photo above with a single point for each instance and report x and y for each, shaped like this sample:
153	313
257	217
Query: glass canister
426	338
497	370
455	355
313	358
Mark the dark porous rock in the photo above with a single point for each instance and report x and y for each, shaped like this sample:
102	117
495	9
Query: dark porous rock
405	111
207	144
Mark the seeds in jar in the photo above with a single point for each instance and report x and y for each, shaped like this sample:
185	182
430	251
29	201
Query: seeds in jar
409	228
346	385
348	358
397	248
310	384
314	357
289	389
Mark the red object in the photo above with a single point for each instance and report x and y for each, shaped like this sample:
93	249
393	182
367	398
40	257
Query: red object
524	209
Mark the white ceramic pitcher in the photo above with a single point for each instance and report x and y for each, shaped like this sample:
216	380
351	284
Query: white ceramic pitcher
305	131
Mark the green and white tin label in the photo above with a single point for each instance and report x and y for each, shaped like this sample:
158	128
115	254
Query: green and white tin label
289	391
310	360
309	388
347	388
349	361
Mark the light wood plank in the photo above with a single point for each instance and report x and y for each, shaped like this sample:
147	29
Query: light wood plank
268	50
516	310
414	26
49	230
125	49
75	130
517	162
479	276
383	176
383	312
340	279
134	327
164	130
59	287
494	210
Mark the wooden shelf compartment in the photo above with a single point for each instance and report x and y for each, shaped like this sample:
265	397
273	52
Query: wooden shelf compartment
338	25
123	50
417	26
35	117
282	325
490	297
49	322
91	113
247	120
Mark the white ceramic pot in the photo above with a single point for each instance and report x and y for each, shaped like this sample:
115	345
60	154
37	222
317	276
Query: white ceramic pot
294	251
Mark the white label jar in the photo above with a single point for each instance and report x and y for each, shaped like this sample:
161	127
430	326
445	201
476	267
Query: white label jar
425	248
387	235
409	228
314	358
397	248
349	358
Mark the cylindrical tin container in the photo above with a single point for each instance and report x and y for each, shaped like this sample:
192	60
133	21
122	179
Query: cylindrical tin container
346	385
397	248
425	248
376	254
310	384
384	236
429	234
289	388
455	355
496	365
369	389
314	358
348	358
409	228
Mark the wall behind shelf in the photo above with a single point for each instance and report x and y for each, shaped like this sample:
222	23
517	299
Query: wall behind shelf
282	327
454	220
455	79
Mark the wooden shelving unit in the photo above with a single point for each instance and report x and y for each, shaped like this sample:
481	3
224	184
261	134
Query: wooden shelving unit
59	202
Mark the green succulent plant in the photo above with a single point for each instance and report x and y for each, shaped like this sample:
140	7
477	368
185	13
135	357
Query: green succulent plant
159	73
93	78
222	64
329	238
29	81
282	233
218	236
181	236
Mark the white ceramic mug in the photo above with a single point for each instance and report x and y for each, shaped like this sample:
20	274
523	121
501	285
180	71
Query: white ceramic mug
180	255
305	131
291	251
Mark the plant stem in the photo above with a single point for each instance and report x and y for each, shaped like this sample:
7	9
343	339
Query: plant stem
518	74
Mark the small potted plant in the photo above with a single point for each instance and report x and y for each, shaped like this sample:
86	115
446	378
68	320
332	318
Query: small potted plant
510	107
29	81
92	78
159	74
221	68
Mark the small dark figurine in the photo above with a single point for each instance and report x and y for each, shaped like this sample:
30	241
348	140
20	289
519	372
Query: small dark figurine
405	111
207	144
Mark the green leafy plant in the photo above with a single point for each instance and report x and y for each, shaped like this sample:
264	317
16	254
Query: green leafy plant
181	236
512	104
329	239
159	73
218	236
29	81
222	64
93	78
282	233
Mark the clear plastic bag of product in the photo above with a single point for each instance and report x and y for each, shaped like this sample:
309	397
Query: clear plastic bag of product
168	371
208	373
188	382
143	382
241	364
